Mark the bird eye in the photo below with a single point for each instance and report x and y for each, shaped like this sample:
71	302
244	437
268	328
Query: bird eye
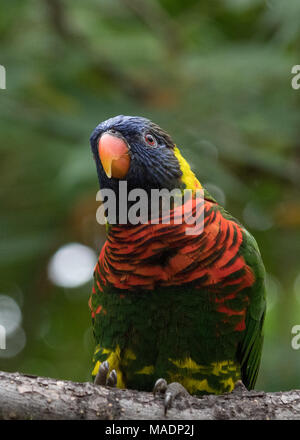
150	140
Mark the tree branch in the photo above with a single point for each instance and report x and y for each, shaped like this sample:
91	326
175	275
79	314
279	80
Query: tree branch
31	397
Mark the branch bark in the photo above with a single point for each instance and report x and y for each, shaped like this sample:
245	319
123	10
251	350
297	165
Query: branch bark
31	397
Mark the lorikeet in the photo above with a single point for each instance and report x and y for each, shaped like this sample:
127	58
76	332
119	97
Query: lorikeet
165	304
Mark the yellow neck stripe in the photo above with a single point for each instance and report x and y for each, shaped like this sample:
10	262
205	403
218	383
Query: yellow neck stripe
188	177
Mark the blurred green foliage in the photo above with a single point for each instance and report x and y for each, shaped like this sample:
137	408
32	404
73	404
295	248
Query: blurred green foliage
216	75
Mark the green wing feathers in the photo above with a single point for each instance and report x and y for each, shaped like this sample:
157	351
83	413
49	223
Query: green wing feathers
250	349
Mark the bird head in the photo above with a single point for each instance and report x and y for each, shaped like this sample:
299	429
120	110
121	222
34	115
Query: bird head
135	149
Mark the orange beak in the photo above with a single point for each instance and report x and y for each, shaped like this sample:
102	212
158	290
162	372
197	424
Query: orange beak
114	156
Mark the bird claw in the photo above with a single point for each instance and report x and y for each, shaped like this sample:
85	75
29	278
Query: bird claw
160	386
112	379
239	388
171	391
103	376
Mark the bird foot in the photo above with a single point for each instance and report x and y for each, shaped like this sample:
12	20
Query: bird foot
104	377
239	388
171	392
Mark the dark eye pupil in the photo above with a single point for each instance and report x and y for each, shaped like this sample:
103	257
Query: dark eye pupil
150	139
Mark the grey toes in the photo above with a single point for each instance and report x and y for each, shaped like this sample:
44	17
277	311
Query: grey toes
100	379
239	388
103	378
160	386
171	391
112	379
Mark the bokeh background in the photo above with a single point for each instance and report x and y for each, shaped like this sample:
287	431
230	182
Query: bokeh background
217	76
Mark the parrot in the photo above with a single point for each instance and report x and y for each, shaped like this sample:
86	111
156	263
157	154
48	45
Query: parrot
172	312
